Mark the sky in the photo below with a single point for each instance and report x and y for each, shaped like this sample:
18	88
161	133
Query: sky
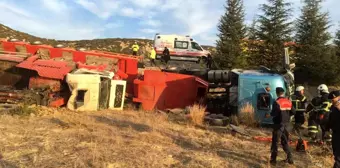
89	19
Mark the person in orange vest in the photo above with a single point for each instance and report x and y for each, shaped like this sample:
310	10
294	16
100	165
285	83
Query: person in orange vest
281	112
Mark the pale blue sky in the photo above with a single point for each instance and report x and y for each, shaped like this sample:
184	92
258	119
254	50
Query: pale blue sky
88	19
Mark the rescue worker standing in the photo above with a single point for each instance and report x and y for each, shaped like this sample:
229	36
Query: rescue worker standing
299	101
209	61
153	56
166	55
334	125
318	114
281	112
135	49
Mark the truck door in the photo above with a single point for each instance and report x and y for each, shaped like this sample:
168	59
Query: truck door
262	101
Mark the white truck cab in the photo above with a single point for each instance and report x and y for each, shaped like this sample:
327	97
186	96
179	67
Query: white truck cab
182	48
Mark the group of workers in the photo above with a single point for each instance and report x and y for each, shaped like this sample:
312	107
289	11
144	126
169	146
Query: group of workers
165	57
323	112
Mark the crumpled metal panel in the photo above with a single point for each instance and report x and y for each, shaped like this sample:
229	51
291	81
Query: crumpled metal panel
46	68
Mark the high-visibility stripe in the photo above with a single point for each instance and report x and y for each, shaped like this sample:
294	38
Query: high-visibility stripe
313	131
312	127
327	107
285	108
297	103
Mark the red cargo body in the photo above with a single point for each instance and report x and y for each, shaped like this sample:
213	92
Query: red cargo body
162	90
127	64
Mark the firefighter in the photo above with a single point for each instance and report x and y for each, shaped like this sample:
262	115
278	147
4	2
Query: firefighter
281	112
135	48
209	61
299	101
334	125
318	114
166	55
153	56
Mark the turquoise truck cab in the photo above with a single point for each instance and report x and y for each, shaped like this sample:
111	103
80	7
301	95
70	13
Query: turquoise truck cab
257	88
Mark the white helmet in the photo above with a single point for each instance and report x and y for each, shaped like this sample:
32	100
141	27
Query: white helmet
299	88
323	88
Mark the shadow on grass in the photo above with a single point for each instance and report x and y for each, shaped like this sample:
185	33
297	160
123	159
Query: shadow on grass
59	122
6	164
123	124
247	159
183	142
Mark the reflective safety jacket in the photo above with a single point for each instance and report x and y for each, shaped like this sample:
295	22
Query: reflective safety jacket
153	54
135	47
299	103
282	111
319	105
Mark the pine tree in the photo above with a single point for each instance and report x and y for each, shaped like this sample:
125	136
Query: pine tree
337	42
274	29
313	54
231	33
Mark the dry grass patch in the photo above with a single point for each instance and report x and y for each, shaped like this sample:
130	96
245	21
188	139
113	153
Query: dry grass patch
125	139
196	114
247	115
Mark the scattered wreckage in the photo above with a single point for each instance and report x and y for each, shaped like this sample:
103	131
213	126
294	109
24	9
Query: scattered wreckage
91	80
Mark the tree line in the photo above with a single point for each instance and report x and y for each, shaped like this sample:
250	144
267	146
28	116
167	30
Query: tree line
312	48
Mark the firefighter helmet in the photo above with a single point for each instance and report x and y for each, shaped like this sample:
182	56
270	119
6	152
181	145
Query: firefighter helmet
323	88
299	88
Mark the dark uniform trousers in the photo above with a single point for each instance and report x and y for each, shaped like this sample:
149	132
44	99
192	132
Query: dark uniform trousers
336	150
280	132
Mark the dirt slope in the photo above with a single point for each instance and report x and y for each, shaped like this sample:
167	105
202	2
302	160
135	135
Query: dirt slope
118	45
59	138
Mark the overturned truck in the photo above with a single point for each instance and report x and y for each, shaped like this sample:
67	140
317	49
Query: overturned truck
40	71
53	73
230	92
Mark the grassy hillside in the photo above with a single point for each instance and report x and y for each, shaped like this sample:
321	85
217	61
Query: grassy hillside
118	45
112	139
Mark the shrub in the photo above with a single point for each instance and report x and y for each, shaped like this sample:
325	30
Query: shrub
247	115
196	114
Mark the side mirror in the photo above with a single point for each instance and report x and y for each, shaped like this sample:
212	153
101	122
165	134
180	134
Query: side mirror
286	59
291	66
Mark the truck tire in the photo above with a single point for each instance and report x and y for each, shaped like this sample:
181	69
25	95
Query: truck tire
219	76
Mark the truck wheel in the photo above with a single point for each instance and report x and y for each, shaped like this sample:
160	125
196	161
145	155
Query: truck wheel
198	61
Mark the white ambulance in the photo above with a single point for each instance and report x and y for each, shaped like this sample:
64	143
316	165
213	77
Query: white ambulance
182	48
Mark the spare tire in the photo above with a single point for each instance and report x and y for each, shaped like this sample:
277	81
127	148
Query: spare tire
219	76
